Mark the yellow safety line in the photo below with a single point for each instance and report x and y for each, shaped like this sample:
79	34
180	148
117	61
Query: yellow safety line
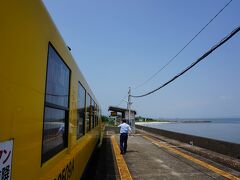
122	166
197	161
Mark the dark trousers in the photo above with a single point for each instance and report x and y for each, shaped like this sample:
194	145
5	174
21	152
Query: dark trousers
123	142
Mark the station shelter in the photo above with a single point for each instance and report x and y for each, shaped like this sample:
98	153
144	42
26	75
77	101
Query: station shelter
118	113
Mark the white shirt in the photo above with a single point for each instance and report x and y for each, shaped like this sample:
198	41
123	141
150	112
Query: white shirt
125	128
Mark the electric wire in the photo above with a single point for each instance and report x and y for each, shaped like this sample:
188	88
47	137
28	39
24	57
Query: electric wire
182	48
121	100
224	40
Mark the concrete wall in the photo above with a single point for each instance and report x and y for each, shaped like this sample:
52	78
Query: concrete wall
226	148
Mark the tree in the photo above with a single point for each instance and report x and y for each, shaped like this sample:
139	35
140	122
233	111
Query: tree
104	118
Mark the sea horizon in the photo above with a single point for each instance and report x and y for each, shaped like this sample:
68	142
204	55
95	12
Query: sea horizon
225	129
215	120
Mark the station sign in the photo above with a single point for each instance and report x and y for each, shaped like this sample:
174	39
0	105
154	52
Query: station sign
6	151
113	113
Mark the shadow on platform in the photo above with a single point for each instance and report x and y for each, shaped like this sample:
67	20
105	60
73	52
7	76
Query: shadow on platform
102	163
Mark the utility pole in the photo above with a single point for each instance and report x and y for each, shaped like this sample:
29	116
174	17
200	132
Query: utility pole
131	122
129	106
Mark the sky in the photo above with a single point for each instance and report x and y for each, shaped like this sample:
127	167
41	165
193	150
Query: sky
120	44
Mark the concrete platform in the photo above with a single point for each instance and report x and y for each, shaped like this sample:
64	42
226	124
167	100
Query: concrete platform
151	158
147	161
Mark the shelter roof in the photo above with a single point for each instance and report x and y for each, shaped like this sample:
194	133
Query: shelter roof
119	109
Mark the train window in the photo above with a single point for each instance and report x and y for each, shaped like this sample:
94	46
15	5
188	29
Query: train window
97	115
81	110
88	114
57	90
56	109
95	118
93	111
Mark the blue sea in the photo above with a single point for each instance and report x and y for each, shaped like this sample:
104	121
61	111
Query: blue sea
220	129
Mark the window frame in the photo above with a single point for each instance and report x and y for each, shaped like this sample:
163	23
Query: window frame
53	152
84	109
93	114
97	115
88	112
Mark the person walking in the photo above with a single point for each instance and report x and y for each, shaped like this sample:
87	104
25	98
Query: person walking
124	130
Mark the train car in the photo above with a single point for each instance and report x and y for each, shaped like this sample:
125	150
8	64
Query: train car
49	117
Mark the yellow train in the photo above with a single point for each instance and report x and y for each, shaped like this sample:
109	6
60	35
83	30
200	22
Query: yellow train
49	118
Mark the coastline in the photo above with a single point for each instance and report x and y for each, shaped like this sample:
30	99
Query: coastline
166	122
159	122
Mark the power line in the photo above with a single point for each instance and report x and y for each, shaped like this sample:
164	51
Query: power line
123	99
224	40
182	48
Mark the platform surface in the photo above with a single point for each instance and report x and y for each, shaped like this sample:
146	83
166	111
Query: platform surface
145	160
150	158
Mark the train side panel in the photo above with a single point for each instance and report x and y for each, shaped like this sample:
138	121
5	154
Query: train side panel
26	32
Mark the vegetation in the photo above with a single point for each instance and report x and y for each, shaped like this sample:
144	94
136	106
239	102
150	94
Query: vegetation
104	118
144	119
108	121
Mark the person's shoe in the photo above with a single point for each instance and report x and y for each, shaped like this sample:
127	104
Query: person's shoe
122	152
